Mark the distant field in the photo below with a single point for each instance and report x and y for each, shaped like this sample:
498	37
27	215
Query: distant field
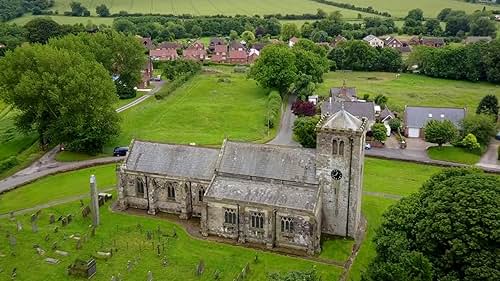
66	20
210	7
411	89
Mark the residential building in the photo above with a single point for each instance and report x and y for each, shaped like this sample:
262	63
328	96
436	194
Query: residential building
214	41
253	55
276	196
163	54
195	51
476	39
360	109
430	42
416	117
374	41
343	93
220	53
146	42
294	40
339	39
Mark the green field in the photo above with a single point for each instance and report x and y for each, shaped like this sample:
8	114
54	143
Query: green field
453	154
66	20
411	89
203	111
211	7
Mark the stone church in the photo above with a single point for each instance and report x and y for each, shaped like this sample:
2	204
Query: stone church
278	196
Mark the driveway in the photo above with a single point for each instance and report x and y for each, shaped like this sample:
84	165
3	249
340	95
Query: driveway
285	134
490	159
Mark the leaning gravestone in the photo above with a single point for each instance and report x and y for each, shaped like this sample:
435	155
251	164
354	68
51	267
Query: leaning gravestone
64	221
200	268
52	219
19	226
150	276
84	269
11	216
12	240
69	218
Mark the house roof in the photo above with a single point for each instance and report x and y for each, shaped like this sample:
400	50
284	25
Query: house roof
475	39
386	113
391	39
345	93
194	53
218	58
237	54
262	192
258	46
217	41
417	116
235	45
169	45
172	160
163	53
343	120
357	108
145	41
294	39
371	37
220	48
269	161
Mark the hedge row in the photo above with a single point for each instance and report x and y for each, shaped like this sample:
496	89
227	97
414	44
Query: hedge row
273	109
174	85
368	10
8	163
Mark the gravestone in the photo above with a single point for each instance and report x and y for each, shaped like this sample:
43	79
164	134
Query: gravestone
13	274
113	278
78	244
86	211
129	265
59	218
54	245
84	269
69	218
34	224
62	253
92	232
19	226
11	216
12	240
81	203
37	214
56	229
150	276
148	235
52	219
200	268
64	221
94	201
40	251
47	237
51	261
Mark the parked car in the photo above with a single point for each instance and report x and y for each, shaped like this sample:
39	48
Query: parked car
120	151
368	146
497	136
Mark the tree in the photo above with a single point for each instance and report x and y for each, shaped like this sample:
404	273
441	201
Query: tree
482	126
304	128
39	30
303	108
102	10
395	124
379	132
415	14
310	63
306	30
440	132
125	26
196	31
355	55
319	36
457	22
289	30
446	231
444	14
248	36
303	86
381	100
433	27
61	95
233	35
122	56
488	105
483	26
78	10
388	59
275	68
491	60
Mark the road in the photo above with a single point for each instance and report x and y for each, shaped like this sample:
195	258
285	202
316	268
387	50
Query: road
285	134
47	165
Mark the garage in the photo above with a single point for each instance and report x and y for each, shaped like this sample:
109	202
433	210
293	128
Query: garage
413	132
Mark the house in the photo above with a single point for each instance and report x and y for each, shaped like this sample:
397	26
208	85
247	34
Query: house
146	42
476	39
274	196
163	54
416	117
313	99
374	41
169	45
392	42
195	51
236	46
214	41
384	117
343	93
220	53
237	56
339	39
146	74
253	55
429	42
258	46
360	109
293	41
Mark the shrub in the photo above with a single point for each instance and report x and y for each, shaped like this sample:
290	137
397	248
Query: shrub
304	130
176	68
273	109
440	132
379	132
470	143
303	108
8	163
482	126
395	124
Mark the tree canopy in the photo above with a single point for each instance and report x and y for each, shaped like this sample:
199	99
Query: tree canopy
440	132
488	105
480	125
446	231
63	96
379	132
304	128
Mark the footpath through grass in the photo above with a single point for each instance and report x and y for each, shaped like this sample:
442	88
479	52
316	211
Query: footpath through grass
411	89
453	154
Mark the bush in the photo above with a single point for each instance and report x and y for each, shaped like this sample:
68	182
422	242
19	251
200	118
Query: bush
482	126
470	143
379	132
174	85
440	132
273	109
176	68
395	124
303	108
304	129
8	163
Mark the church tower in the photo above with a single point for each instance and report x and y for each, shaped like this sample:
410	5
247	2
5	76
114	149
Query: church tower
339	167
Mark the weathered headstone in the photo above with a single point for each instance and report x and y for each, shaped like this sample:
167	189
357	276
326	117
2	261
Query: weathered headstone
59	218
11	216
51	261
54	245
40	251
113	278
150	276
62	253
81	203
13	274
56	229
34	224
19	226
52	219
94	201
148	235
84	269
200	268
129	265
64	221
37	214
78	244
86	211
69	218
12	240
47	237
92	232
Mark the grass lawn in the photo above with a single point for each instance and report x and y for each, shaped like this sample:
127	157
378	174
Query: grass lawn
453	154
70	156
202	111
411	89
212	7
122	102
56	187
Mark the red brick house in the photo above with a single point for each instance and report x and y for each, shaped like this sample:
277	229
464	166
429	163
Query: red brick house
214	42
169	45
238	57
146	75
253	55
146	42
163	54
195	51
220	53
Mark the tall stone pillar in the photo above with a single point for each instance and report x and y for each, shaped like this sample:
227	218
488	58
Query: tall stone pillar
94	201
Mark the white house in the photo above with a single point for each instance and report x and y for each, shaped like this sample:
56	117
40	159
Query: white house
374	41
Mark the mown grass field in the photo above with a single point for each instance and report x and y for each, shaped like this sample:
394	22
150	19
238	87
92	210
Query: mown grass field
211	7
183	254
411	89
453	154
66	20
203	111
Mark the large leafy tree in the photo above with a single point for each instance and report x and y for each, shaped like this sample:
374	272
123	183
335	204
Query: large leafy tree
39	30
122	56
447	231
379	132
488	105
482	126
304	128
61	95
440	132
289	30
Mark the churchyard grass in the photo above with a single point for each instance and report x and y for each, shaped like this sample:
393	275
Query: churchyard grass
411	89
453	154
70	156
204	111
57	187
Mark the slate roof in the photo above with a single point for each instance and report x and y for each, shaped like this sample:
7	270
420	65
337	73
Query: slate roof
280	195
344	120
221	48
172	160
417	117
344	93
163	53
269	161
385	113
235	45
371	37
216	41
356	108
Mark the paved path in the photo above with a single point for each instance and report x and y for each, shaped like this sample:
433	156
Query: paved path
47	165
285	134
490	159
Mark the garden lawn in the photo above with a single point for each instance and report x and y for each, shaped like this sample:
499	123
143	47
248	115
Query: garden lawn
206	8
56	187
126	234
203	111
411	89
453	154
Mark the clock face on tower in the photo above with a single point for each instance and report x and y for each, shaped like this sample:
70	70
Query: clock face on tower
336	174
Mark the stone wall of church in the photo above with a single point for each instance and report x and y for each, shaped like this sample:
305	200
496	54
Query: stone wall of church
305	234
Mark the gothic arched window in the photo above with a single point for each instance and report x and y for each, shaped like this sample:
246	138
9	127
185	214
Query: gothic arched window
170	190
139	187
334	147
341	148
